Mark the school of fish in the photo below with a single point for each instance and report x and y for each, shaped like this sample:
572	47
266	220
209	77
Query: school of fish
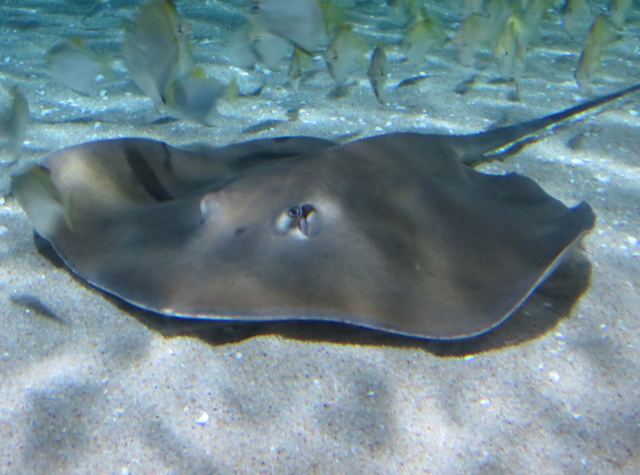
294	36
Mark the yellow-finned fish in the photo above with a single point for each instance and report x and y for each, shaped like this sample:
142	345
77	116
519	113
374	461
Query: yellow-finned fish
470	36
42	201
510	49
575	16
334	15
404	12
157	49
299	21
248	47
423	37
603	33
344	54
619	10
531	19
13	127
377	72
75	66
194	96
300	62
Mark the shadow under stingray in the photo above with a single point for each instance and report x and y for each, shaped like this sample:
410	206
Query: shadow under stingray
543	310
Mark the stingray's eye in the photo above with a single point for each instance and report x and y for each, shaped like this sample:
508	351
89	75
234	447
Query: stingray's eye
294	212
255	7
297	220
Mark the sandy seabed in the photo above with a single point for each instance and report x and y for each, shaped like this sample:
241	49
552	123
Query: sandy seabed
107	388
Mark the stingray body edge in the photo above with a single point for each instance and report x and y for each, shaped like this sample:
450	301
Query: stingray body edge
391	232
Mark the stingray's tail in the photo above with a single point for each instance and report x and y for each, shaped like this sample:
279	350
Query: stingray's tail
508	140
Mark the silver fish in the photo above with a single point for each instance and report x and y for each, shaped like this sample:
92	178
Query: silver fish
157	49
377	72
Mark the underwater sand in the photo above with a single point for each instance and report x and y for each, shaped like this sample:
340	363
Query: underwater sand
97	386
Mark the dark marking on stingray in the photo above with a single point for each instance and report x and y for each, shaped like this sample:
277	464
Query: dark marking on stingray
168	164
145	174
394	232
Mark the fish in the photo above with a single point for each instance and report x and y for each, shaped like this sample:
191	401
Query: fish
334	15
44	203
159	57
377	72
499	10
424	36
470	36
75	66
13	127
300	63
395	232
413	81
496	13
157	49
518	33
575	14
403	12
618	12
248	47
102	16
345	53
298	21
532	17
510	49
602	34
194	96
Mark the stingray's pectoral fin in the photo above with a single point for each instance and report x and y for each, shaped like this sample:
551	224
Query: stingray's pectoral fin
38	195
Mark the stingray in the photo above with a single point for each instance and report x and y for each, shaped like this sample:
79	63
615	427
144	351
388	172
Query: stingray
394	232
